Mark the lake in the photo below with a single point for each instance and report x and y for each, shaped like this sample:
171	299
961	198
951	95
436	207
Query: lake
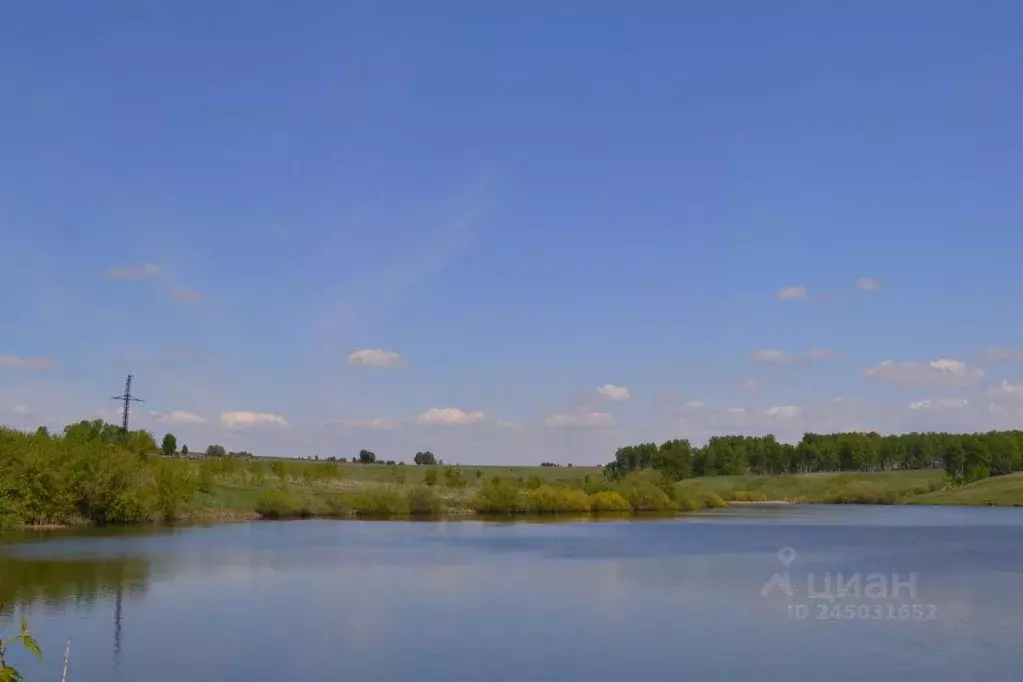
741	594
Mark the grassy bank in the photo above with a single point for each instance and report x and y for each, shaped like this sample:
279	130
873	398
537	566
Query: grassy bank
237	495
999	491
889	487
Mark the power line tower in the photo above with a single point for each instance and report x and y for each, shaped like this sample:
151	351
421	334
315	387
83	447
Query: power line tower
127	399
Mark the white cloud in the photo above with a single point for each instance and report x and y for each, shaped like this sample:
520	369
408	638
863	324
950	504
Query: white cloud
177	417
784	411
374	357
20	411
449	416
939	405
824	353
580	419
943	373
749	383
181	351
185	294
792	293
772	355
1007	390
614	393
1003	354
377	423
787	422
240	419
868	284
143	272
35	363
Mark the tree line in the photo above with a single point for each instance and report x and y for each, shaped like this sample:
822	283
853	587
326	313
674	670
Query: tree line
964	457
169	446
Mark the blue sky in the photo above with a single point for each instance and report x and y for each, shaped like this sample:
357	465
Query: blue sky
514	204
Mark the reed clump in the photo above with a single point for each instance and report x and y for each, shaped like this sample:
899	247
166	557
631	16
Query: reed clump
609	501
547	499
286	504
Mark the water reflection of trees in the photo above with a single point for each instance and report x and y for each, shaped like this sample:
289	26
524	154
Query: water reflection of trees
58	583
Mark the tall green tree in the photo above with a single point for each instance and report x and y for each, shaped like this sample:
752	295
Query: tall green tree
425	458
169	445
674	459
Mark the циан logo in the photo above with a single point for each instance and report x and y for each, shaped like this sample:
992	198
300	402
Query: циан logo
840	596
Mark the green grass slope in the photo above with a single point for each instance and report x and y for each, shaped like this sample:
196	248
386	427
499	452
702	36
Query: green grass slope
413	474
1002	491
887	487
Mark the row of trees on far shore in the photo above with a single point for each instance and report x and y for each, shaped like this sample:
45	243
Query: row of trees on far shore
966	457
370	457
169	448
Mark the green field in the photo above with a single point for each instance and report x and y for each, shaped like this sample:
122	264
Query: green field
888	487
386	473
1001	491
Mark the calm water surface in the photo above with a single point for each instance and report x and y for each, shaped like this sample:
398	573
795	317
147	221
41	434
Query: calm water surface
667	599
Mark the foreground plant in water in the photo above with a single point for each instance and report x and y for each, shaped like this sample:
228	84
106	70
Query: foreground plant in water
7	672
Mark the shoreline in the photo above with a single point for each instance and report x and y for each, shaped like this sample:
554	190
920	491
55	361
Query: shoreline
764	503
218	517
378	492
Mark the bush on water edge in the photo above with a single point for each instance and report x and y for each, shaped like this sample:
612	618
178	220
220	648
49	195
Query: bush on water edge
695	500
378	502
498	496
283	504
854	494
90	473
547	499
424	501
609	501
644	496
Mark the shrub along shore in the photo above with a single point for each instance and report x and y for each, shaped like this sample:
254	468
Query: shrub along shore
498	495
94	474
